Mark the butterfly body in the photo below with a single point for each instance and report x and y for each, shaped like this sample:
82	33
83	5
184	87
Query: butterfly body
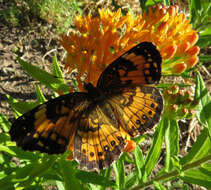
94	124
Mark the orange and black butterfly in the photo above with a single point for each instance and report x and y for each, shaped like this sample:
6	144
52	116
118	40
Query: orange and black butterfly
92	124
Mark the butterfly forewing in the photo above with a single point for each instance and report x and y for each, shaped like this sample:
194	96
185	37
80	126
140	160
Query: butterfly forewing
50	126
139	65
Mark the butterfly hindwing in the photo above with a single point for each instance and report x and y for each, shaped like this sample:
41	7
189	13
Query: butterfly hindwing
138	108
139	65
97	141
50	126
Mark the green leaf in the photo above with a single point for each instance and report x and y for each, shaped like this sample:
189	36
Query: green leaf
204	41
56	70
106	173
69	175
205	58
119	170
205	32
204	100
200	176
4	123
171	141
158	186
131	180
40	97
145	4
60	185
21	174
20	107
38	169
94	178
7	150
4	138
155	149
26	155
44	77
200	148
139	161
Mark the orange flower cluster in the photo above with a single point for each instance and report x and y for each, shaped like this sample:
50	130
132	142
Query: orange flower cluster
99	41
171	32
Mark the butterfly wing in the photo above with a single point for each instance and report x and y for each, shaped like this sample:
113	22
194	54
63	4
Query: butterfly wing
139	65
49	127
137	105
98	142
137	109
71	122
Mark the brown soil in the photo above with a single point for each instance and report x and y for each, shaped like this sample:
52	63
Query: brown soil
34	42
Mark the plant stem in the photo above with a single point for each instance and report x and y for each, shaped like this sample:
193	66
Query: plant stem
174	173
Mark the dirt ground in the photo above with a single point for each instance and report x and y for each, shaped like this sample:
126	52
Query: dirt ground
35	43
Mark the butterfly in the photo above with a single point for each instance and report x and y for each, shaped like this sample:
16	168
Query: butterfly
93	124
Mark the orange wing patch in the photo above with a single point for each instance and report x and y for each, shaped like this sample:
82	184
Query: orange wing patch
138	109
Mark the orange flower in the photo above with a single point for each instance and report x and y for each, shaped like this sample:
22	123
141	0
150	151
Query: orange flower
99	41
131	145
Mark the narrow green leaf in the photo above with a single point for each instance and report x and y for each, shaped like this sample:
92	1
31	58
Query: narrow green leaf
131	180
174	138
44	77
106	173
200	176
4	138
204	41
119	170
167	142
94	178
205	58
155	149
40	97
69	175
204	99
158	186
200	148
4	123
21	174
38	169
205	32
171	141
139	161
56	70
60	185
185	187
7	150
26	155
20	107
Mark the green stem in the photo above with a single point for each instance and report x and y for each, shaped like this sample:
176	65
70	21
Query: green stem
174	173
